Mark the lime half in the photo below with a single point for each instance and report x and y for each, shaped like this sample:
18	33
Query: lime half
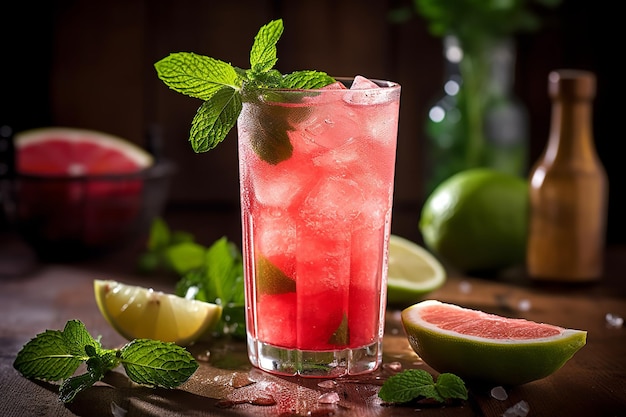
413	272
137	313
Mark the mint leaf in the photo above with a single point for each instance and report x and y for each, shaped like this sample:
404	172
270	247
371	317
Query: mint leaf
74	385
157	364
159	236
195	75
222	87
214	119
186	256
54	355
451	386
263	52
306	80
416	383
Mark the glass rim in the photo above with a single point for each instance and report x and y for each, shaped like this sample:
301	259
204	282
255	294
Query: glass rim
383	84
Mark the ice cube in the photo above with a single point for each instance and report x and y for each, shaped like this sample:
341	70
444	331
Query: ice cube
362	83
519	409
499	393
280	185
364	91
329	398
332	203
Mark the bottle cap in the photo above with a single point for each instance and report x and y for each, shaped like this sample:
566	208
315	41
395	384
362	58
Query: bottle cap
572	84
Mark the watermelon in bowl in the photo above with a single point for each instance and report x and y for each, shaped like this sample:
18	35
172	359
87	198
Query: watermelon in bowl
81	192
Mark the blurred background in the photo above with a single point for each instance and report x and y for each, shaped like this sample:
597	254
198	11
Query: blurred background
89	64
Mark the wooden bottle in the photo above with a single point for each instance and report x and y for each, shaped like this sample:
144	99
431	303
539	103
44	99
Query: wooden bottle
568	188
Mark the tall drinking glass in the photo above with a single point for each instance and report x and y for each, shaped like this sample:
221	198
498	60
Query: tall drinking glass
316	178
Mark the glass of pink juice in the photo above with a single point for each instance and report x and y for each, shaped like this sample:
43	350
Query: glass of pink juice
316	182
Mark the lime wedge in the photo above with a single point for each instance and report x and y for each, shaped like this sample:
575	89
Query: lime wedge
142	313
413	272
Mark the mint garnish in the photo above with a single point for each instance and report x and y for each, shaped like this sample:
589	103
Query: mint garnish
222	87
55	355
212	274
418	384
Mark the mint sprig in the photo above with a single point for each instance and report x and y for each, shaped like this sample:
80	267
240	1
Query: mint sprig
418	384
223	87
55	355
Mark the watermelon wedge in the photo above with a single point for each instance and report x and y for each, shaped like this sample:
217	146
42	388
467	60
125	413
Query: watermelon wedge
486	347
78	190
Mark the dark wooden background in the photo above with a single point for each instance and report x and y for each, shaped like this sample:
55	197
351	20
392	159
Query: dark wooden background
89	64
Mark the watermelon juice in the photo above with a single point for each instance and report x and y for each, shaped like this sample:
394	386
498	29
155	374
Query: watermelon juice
316	177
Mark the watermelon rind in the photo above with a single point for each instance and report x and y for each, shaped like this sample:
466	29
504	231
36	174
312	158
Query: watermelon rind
494	361
138	155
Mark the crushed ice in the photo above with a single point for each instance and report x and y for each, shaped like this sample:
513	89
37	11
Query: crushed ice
499	393
524	305
329	383
393	366
519	409
117	411
329	398
465	287
613	320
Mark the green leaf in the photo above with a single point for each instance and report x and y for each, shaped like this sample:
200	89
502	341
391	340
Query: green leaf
76	384
408	385
263	52
156	363
186	256
306	80
451	386
54	355
197	76
224	269
159	236
214	119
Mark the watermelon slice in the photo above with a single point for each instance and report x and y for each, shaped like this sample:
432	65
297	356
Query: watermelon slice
486	347
78	190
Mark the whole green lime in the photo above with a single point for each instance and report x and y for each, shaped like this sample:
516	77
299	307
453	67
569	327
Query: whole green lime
477	220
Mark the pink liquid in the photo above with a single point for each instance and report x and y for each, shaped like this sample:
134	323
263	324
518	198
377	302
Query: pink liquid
321	218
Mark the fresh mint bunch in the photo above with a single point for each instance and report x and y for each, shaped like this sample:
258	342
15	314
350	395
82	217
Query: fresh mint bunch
418	384
212	274
55	355
222	87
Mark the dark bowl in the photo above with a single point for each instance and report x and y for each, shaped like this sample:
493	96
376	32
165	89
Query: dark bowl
71	218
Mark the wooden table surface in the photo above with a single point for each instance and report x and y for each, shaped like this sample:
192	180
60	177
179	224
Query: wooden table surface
592	383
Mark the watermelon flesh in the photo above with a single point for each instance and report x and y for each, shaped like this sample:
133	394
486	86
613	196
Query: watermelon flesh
481	324
78	191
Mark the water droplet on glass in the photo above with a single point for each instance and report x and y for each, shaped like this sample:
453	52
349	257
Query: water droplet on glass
520	409
327	384
465	287
393	366
329	398
613	320
499	393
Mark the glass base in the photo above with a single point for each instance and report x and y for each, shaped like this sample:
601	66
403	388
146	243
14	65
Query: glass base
314	364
